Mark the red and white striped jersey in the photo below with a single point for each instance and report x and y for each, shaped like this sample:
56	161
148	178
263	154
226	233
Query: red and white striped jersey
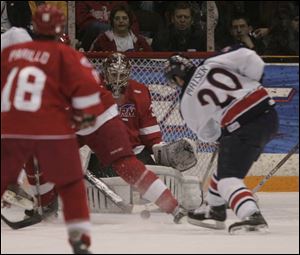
39	80
223	88
137	114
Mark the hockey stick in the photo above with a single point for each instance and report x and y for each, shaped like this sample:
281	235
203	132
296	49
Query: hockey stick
37	186
36	218
275	169
108	192
209	168
85	154
207	174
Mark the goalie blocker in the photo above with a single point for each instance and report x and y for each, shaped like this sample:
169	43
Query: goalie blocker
180	154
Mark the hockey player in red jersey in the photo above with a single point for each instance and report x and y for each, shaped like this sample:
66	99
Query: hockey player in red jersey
38	80
135	108
223	100
108	138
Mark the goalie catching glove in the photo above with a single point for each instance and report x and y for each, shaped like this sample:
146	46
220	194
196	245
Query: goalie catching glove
180	155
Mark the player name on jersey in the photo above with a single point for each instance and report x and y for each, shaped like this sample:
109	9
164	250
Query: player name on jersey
29	55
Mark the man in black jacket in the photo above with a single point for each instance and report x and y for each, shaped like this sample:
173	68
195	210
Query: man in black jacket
181	34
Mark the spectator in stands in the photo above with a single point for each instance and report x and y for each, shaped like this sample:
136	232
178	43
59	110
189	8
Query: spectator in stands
284	37
15	13
93	18
148	16
272	14
121	37
242	32
181	34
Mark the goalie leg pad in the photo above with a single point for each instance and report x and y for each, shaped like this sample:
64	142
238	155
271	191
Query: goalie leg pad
146	182
180	155
129	168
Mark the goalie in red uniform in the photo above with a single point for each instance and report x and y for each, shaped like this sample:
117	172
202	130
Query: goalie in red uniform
108	138
135	108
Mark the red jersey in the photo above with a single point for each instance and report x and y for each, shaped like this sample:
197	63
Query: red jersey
110	111
91	11
39	80
136	112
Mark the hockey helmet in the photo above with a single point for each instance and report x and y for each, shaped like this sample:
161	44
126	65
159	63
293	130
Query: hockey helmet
48	20
178	65
116	72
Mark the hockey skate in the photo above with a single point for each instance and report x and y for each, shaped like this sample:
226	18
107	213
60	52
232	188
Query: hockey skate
178	214
254	223
208	216
80	245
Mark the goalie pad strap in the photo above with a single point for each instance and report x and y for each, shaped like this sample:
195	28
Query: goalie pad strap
155	190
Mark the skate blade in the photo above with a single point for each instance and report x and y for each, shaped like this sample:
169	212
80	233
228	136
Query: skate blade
213	224
249	230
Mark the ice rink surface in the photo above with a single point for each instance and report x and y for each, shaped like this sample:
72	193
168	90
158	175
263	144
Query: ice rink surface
129	234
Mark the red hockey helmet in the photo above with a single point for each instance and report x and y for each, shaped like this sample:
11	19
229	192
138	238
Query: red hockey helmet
48	20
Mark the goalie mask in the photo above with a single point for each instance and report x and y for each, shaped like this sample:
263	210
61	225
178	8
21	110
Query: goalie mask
180	66
116	71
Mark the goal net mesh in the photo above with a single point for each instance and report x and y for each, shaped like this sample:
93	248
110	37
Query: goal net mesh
165	103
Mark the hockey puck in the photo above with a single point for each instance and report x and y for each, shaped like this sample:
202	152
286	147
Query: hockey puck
145	214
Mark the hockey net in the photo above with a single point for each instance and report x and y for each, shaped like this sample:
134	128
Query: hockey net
147	68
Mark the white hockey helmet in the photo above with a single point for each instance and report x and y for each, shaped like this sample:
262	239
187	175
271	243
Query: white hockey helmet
116	72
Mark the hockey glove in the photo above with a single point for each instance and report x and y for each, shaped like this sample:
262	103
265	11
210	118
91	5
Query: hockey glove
180	155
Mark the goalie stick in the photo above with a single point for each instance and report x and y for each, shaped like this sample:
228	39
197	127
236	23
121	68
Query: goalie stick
108	192
85	154
275	169
116	199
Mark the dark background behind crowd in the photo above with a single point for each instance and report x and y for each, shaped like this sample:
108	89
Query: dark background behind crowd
268	27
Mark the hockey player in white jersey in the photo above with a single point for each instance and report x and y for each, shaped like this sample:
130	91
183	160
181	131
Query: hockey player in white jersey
224	101
17	23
